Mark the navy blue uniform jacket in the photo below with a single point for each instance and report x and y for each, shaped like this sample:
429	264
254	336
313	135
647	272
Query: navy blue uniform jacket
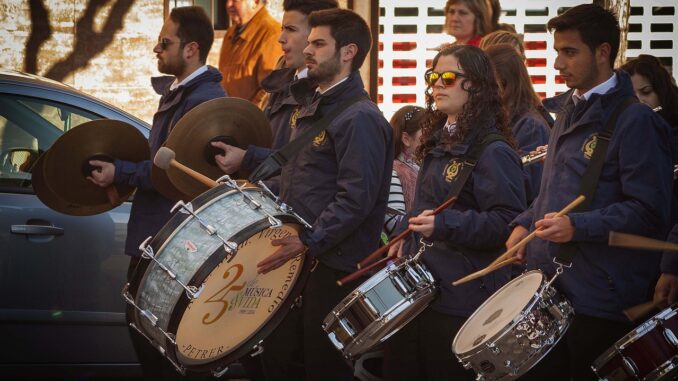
339	182
471	233
150	210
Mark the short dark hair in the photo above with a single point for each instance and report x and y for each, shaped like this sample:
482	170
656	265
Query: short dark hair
194	26
595	25
308	6
346	27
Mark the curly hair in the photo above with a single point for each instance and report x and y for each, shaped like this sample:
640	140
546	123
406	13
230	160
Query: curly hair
483	109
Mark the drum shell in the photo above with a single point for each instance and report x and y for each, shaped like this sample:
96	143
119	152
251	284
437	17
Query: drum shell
516	348
172	300
649	352
379	307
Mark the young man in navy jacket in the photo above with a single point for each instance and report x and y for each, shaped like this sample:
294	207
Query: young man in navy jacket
633	193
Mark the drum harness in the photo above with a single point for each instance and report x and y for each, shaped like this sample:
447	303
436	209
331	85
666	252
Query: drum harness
590	178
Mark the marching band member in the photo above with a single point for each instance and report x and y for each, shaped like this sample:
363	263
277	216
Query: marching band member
183	44
464	123
339	183
632	193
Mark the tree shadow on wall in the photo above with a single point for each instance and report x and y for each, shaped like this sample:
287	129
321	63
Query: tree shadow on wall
88	43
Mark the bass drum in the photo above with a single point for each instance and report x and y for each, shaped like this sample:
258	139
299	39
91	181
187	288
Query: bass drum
197	297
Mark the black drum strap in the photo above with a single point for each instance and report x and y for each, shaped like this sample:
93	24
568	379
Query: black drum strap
589	181
279	158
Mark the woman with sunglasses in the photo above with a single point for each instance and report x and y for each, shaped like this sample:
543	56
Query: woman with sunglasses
464	131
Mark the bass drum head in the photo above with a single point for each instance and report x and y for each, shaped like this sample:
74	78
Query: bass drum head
237	306
497	312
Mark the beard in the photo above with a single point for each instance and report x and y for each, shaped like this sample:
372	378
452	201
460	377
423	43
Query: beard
172	68
325	71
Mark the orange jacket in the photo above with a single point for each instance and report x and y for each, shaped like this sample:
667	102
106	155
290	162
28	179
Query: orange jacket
247	59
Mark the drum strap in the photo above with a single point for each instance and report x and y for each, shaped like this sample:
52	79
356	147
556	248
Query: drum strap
589	181
470	160
271	166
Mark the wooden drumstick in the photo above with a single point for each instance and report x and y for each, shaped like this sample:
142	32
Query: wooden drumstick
636	312
164	159
531	236
639	242
357	274
485	271
384	249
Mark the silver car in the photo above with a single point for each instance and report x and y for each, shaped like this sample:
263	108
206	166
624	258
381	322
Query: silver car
61	313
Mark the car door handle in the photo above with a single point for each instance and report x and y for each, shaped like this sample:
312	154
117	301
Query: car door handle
36	230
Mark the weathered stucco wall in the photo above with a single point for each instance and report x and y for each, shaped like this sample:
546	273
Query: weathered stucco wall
102	47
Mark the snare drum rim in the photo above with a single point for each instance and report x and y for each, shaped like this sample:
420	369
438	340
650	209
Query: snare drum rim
267	328
530	304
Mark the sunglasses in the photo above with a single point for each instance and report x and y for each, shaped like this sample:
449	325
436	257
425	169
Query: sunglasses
447	77
165	43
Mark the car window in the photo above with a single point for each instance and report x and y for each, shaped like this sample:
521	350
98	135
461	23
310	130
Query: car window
28	127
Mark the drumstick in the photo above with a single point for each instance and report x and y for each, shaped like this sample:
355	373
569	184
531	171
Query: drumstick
384	249
486	270
165	159
357	274
639	242
530	236
636	312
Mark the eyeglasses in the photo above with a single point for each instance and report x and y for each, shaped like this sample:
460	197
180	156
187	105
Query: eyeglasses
447	77
165	43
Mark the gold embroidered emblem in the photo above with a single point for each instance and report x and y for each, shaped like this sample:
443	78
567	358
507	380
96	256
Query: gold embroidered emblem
589	146
452	170
294	117
320	139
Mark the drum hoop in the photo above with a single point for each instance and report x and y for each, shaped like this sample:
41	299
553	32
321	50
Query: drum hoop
643	329
530	304
267	328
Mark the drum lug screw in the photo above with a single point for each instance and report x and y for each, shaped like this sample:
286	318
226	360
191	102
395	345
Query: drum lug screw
217	373
194	292
493	348
258	349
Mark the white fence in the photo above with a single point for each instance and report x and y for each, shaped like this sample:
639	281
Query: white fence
410	29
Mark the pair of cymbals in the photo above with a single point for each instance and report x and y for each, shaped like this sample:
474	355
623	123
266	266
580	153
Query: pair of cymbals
59	176
234	121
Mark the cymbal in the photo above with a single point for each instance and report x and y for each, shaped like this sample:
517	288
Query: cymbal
62	182
234	121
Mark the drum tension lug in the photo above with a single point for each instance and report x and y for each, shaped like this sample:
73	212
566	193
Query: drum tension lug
298	302
257	349
217	373
194	292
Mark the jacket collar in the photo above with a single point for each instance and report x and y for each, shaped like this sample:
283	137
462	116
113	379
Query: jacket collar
278	83
304	92
251	28
169	99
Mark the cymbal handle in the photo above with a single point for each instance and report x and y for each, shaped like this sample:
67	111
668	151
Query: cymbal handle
194	174
113	195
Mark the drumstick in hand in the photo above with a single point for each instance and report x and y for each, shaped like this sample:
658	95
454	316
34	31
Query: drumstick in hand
486	270
636	312
567	209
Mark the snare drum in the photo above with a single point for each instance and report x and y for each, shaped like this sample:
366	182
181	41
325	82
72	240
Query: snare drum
649	352
379	307
197	296
514	329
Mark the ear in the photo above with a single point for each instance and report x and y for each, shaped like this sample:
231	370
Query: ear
406	139
603	53
191	50
348	52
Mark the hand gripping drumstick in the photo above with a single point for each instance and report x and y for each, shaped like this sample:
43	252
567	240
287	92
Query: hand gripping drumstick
384	249
567	209
640	242
164	159
506	258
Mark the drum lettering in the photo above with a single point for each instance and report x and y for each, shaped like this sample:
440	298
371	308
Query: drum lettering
220	296
258	291
279	298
